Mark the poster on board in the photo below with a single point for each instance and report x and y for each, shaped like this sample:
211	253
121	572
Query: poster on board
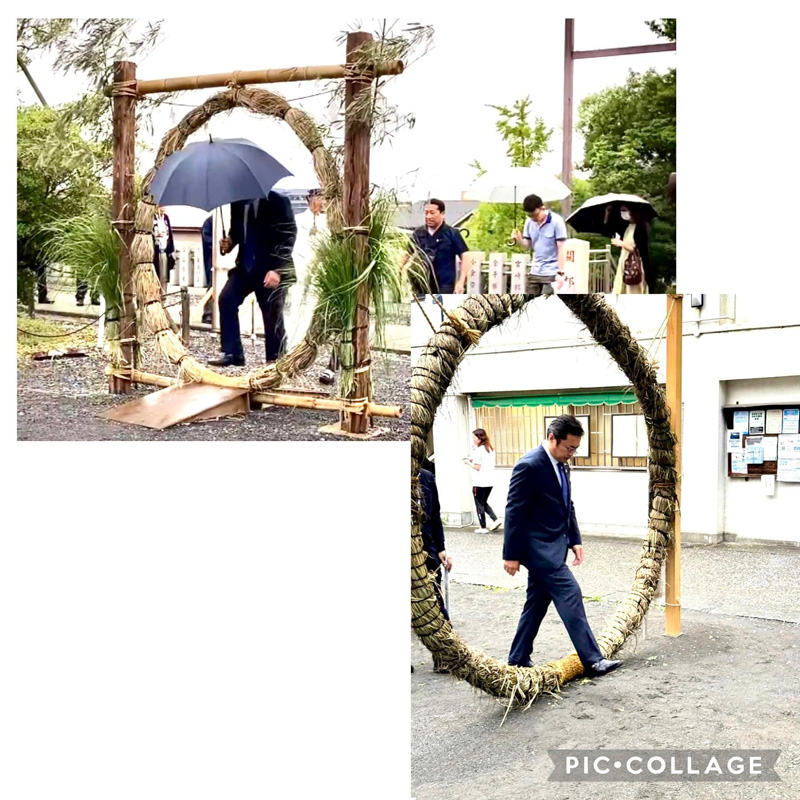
791	420
756	422
740	421
774	420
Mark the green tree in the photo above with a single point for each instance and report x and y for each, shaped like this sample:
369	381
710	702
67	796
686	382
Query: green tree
630	146
665	28
89	48
491	225
526	144
59	174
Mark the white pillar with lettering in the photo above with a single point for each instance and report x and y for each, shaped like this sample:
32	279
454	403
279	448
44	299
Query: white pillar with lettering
575	279
520	263
497	281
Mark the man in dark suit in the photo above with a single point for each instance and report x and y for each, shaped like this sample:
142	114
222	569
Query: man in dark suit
265	231
540	527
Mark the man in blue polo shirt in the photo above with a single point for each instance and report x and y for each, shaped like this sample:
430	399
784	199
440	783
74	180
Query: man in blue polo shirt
441	248
545	233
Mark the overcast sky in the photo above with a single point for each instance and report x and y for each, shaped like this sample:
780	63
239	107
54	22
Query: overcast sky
447	90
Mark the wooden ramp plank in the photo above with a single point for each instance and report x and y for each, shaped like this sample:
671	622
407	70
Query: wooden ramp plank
185	402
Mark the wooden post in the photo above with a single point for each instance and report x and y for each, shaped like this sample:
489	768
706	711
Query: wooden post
124	127
674	401
566	151
356	215
185	315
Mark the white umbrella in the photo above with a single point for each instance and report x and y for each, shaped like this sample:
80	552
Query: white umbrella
513	184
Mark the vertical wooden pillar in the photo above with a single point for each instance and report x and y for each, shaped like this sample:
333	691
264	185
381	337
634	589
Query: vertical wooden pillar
124	121
356	215
674	401
566	150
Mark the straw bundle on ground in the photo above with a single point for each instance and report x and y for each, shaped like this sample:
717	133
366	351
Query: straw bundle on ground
516	686
147	286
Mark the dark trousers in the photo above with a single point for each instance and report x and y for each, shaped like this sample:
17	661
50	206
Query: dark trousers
435	566
240	284
41	282
561	587
538	286
481	494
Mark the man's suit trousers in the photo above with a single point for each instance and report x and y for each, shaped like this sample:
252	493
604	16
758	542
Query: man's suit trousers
240	284
561	587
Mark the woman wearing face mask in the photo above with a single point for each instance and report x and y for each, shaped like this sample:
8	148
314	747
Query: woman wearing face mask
483	479
634	274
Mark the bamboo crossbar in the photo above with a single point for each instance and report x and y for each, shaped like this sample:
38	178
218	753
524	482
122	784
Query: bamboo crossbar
270	398
242	77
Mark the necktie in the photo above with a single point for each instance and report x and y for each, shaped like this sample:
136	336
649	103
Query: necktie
564	483
249	237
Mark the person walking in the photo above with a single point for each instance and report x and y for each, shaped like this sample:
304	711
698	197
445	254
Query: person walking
540	528
634	273
483	462
545	233
265	231
440	248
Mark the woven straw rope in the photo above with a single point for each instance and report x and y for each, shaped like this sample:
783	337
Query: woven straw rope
519	687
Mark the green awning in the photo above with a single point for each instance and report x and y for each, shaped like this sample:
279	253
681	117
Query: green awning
566	399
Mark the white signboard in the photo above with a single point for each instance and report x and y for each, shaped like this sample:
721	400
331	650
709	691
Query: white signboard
789	457
791	420
770	445
740	421
497	281
768	485
474	259
738	463
519	272
774	420
575	279
734	441
628	436
756	422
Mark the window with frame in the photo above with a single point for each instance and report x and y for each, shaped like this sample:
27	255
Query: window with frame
615	436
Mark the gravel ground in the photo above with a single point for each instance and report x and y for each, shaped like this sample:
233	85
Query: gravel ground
726	682
62	399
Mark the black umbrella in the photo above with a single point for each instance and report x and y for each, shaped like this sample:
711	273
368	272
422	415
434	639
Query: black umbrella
591	216
214	173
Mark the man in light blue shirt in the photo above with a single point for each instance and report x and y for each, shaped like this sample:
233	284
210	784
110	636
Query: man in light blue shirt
545	233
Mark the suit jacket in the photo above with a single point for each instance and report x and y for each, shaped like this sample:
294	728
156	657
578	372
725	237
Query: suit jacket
539	527
432	530
275	230
170	251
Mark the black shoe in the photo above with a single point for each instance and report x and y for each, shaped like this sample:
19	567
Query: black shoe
602	667
526	664
227	360
207	319
46	302
95	301
327	377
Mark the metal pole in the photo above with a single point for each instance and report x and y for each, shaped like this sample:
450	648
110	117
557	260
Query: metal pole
674	401
566	153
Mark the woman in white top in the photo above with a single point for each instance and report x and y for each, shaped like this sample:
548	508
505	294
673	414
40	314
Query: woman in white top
483	479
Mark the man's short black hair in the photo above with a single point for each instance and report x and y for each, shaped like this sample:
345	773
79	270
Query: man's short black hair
313	193
531	203
563	426
438	203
